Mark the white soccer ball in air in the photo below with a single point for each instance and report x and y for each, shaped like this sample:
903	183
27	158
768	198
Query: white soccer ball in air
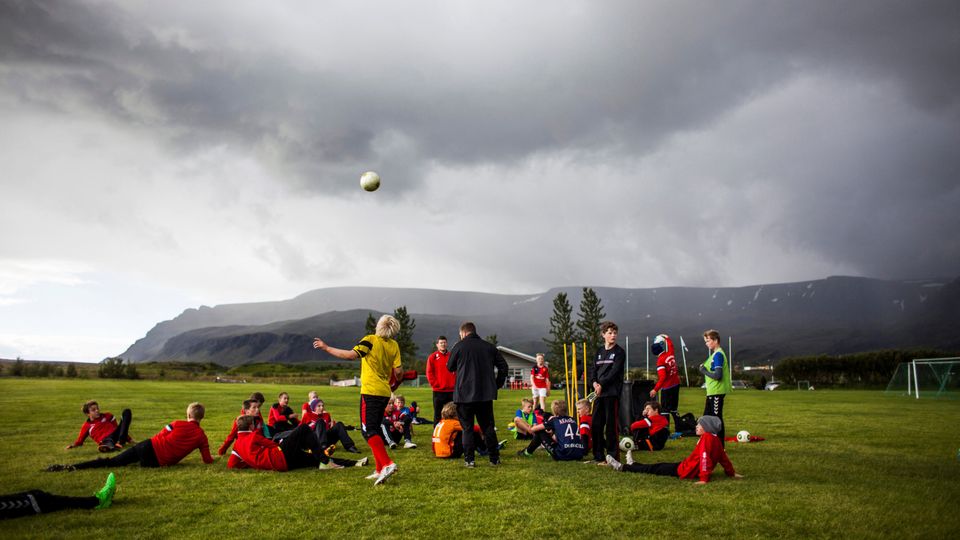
370	181
743	436
627	444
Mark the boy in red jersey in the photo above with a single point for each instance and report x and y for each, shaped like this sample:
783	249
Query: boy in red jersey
583	412
282	418
379	356
397	422
305	408
254	451
103	428
699	464
174	442
668	376
441	379
250	407
540	381
651	431
328	431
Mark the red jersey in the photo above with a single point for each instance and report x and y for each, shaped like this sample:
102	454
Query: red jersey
585	421
668	375
704	458
278	414
310	418
539	375
177	440
652	424
440	378
257	452
98	429
257	426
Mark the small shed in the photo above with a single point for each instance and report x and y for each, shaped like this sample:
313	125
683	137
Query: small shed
519	365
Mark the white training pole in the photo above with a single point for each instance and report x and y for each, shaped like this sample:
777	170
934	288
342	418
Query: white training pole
909	387
730	352
626	372
916	382
647	374
683	351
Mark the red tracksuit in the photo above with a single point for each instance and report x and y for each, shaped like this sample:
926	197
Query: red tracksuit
98	429
667	373
585	421
177	440
701	462
257	426
440	378
255	451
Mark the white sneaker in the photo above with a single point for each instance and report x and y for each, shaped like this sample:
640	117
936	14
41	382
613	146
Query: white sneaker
393	445
362	461
613	463
372	476
329	466
629	457
385	473
409	444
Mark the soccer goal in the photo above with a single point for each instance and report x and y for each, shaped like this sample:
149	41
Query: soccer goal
928	377
803	385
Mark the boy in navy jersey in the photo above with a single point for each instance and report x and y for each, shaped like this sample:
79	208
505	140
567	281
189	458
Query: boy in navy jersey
559	435
651	432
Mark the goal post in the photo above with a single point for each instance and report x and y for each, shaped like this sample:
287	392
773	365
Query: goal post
927	377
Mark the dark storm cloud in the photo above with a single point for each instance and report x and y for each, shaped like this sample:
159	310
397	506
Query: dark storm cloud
504	84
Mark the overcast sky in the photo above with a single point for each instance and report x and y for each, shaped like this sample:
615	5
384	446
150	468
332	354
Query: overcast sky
156	156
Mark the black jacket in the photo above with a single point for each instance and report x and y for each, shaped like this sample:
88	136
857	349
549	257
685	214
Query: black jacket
608	369
473	360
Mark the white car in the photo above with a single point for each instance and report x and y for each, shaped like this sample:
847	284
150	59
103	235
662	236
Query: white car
772	386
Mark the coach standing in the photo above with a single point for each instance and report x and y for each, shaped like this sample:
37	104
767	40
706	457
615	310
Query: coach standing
473	361
440	378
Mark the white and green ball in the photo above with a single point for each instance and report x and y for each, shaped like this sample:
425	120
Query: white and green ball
370	181
627	444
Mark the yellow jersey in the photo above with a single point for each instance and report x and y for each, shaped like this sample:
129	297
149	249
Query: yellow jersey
378	357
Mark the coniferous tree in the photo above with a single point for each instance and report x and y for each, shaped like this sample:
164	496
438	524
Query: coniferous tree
408	349
590	316
561	327
492	339
371	325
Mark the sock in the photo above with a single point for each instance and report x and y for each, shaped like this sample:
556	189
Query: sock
380	456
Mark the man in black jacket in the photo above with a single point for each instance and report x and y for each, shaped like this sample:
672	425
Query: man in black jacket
474	360
607	379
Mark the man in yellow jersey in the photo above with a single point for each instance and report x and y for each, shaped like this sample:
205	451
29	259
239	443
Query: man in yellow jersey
379	357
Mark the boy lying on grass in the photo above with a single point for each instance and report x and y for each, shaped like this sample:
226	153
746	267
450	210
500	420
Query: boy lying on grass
174	442
699	464
103	428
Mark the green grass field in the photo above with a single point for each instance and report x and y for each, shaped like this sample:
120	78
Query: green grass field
835	464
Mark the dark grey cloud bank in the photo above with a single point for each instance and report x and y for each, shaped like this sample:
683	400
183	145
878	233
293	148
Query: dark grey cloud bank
870	184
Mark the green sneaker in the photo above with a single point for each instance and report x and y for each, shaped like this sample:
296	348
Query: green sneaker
105	495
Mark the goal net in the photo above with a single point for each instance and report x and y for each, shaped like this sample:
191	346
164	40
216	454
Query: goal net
927	377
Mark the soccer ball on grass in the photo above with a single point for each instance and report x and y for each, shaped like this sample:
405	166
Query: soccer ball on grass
743	436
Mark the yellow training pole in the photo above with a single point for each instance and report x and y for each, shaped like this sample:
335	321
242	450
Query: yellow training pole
576	387
565	364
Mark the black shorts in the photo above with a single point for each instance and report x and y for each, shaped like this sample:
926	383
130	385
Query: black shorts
371	414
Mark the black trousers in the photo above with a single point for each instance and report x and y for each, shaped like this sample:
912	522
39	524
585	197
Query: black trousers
28	503
661	469
482	412
119	435
606	414
295	445
335	434
439	400
670	402
714	407
142	453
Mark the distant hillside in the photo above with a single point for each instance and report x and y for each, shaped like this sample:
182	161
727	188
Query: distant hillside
834	315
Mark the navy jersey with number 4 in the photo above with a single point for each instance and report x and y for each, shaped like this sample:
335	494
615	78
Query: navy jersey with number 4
569	446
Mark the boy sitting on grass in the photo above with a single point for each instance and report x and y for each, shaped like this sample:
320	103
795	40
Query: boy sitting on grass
448	435
583	412
651	432
524	420
396	424
700	463
103	428
305	408
174	442
328	432
559	436
282	418
250	407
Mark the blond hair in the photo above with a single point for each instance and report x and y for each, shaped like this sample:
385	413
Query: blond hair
583	403
559	407
449	411
526	400
387	327
196	411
